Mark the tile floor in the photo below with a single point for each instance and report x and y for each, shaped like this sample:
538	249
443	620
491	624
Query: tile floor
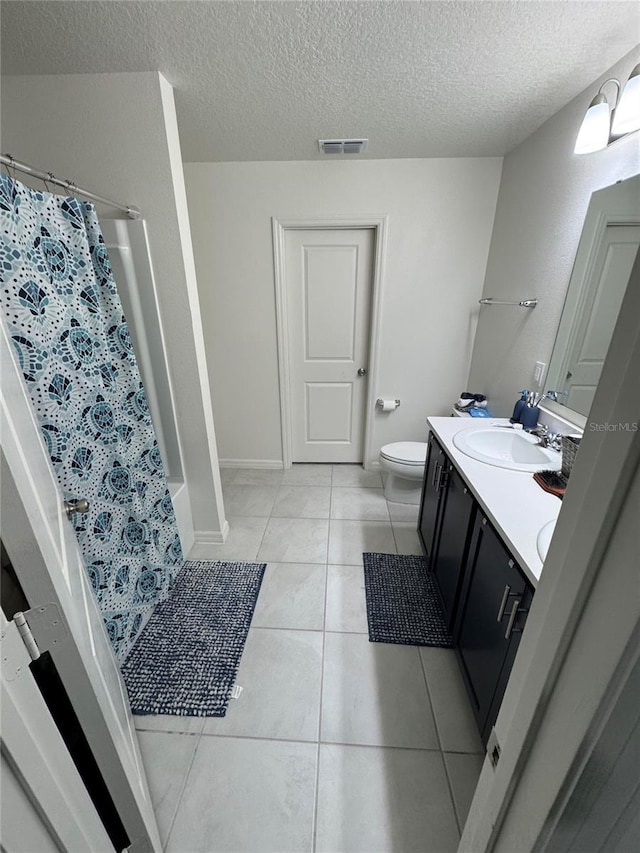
335	744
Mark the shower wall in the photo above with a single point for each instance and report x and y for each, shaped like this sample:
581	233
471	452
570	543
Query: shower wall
117	134
130	255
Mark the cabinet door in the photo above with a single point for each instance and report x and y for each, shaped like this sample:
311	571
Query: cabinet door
431	491
495	594
449	559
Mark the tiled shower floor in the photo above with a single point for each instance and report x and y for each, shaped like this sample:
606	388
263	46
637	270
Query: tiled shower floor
335	744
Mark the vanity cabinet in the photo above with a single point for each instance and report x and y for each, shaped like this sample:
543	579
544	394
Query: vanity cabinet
446	511
431	502
458	510
484	593
494	602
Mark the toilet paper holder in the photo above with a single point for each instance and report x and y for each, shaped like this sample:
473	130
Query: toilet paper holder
380	403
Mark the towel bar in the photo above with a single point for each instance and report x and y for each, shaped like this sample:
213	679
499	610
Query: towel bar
525	303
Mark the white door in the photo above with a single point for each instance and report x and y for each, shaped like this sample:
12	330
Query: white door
604	291
328	275
44	552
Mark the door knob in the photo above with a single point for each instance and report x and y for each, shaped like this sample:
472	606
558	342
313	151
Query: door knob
362	371
80	505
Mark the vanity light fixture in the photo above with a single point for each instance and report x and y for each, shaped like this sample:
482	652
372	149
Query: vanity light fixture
599	127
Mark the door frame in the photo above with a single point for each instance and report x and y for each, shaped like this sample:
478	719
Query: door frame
280	225
36	543
610	206
567	677
584	269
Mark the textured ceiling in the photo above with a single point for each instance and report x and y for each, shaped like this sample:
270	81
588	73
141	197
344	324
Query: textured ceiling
266	80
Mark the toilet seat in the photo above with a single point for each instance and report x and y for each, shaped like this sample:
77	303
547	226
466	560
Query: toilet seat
412	453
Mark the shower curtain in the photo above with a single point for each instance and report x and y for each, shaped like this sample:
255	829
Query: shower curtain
64	315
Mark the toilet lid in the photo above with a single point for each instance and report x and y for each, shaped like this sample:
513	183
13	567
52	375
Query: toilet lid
407	452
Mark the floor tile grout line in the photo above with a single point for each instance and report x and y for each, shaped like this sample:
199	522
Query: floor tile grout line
198	735
268	739
314	834
264	533
395	541
437	730
280	628
301	630
316	791
308	630
181	794
378	746
259	738
386	520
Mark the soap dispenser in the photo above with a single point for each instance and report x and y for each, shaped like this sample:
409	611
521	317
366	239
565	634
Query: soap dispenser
519	408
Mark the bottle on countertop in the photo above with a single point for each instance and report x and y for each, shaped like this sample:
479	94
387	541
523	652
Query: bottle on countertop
519	407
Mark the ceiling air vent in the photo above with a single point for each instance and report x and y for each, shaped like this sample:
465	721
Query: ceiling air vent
343	146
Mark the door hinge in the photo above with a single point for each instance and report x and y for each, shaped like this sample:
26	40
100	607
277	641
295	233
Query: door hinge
40	628
493	748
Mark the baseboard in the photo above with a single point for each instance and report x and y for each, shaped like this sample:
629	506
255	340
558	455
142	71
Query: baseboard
274	464
211	537
182	508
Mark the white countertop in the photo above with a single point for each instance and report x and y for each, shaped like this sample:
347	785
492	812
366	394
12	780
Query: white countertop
514	503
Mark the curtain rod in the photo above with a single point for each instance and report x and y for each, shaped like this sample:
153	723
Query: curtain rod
8	160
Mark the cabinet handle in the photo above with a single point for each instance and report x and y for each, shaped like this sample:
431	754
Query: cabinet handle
503	603
442	478
512	618
435	474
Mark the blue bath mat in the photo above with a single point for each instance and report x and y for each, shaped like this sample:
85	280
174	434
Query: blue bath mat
402	602
186	658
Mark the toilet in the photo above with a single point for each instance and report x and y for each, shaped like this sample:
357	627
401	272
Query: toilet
403	462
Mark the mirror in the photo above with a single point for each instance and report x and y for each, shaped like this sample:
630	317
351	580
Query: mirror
606	253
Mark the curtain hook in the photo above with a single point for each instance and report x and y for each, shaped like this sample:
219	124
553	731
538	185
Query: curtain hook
51	177
9	165
71	186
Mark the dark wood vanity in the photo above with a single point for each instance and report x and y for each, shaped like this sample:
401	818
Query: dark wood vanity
484	593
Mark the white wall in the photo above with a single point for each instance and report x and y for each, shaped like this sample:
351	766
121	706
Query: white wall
440	219
544	196
116	134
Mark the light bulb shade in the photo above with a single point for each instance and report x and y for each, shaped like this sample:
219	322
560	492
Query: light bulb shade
594	132
626	117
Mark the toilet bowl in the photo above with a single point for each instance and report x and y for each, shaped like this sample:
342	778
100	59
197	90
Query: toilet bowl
403	462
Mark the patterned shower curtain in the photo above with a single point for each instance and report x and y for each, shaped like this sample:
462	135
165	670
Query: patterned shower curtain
60	304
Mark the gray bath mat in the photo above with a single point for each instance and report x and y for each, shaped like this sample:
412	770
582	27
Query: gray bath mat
186	658
402	601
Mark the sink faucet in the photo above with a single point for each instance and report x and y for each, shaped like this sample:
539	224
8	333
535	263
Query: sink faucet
547	438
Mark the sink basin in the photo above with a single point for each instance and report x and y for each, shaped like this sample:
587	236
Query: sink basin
507	448
544	538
